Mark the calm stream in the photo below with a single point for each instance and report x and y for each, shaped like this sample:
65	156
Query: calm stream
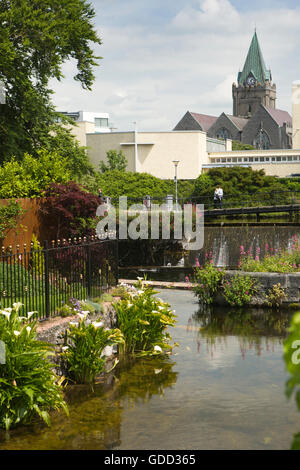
223	388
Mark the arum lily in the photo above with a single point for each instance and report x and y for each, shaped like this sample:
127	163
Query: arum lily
157	348
98	324
17	333
28	329
17	306
29	314
5	313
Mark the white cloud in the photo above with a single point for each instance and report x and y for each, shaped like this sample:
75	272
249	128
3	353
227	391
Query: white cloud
181	59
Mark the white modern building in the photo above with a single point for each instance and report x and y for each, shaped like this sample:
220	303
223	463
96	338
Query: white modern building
88	122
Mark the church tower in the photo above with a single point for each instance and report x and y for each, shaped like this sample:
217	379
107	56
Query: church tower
254	85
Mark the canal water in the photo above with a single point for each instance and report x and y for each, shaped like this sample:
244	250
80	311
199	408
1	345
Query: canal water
222	388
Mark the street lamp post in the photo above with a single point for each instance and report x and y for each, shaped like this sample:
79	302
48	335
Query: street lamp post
135	146
176	162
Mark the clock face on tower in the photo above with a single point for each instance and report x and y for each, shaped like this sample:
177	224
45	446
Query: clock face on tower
251	81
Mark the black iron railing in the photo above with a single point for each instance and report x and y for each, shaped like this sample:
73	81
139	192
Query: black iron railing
45	278
258	199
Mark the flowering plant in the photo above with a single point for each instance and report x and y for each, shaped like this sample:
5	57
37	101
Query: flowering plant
239	290
28	384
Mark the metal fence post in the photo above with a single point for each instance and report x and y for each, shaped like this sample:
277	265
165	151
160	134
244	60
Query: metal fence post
89	267
47	286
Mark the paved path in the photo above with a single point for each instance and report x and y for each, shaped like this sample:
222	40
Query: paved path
161	284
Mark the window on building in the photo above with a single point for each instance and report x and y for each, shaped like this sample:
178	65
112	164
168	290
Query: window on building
273	159
267	159
290	159
101	122
250	159
256	159
284	159
246	159
223	133
262	141
278	159
262	159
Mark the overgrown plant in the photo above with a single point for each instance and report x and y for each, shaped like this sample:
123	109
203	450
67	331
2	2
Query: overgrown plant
83	355
239	290
292	360
143	320
28	385
208	280
9	216
37	256
275	296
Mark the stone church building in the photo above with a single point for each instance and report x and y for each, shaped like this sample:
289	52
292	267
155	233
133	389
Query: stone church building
255	119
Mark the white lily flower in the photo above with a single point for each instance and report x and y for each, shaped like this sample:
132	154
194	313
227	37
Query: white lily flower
82	315
160	307
8	309
28	329
17	306
98	324
139	278
64	348
74	323
140	292
129	305
85	312
29	314
5	313
157	348
17	333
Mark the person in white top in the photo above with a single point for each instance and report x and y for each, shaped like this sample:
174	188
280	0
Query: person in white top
218	198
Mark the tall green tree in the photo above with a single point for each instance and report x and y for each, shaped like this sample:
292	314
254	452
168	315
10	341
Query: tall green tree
36	38
116	161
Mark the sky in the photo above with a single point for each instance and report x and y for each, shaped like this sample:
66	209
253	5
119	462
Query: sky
161	58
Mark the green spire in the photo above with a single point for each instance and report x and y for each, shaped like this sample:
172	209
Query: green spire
254	65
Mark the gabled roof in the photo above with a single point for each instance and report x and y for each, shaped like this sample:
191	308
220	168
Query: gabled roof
238	121
204	120
279	116
254	64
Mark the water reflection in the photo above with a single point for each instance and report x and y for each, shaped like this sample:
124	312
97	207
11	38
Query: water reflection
255	329
96	417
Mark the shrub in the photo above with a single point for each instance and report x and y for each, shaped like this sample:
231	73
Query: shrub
239	290
10	213
275	296
278	260
31	176
208	280
85	344
70	210
143	320
37	257
28	384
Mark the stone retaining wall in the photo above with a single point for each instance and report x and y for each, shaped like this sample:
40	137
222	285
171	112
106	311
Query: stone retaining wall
265	281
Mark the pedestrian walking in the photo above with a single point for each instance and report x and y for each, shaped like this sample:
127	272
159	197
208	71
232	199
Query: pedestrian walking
218	198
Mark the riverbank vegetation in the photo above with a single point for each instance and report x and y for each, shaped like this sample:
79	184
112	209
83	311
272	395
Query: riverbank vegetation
29	386
275	260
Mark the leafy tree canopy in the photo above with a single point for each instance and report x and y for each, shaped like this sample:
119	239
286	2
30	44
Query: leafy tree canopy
237	145
36	38
117	183
32	176
235	181
116	161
